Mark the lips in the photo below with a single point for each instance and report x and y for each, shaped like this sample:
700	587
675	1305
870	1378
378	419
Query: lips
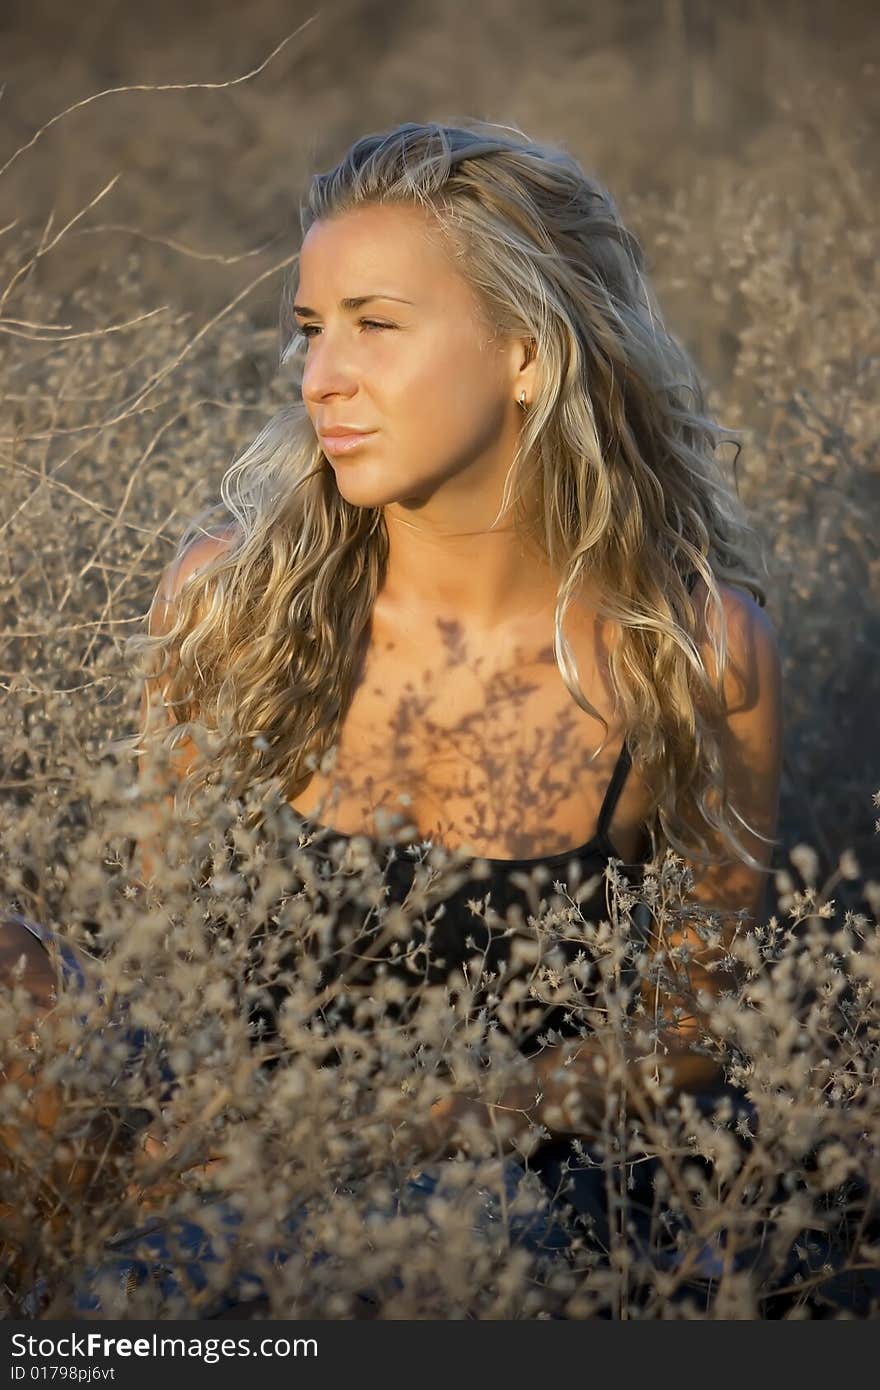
334	431
343	441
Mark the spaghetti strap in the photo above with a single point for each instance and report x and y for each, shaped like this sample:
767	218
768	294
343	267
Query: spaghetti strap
615	786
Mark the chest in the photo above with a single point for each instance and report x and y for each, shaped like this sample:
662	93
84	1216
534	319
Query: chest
477	745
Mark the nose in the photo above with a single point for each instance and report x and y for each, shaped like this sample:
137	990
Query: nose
326	372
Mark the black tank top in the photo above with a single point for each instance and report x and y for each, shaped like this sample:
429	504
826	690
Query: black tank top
438	949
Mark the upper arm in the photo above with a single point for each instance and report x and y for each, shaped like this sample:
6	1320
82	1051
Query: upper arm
751	748
154	708
197	556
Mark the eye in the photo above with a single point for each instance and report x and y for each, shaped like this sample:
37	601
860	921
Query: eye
308	330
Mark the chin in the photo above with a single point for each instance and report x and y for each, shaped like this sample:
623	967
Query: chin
365	494
360	488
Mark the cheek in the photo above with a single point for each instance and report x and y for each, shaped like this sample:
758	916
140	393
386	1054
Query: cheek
453	388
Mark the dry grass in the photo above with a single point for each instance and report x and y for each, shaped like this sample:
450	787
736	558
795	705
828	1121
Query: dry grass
118	418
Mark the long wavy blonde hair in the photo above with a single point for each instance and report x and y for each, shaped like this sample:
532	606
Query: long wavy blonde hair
265	640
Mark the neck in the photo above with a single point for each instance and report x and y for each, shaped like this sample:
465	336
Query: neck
486	578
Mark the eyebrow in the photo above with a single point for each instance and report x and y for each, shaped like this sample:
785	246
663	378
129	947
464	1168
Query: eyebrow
353	303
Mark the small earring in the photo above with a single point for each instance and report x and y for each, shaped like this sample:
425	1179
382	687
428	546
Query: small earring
522	400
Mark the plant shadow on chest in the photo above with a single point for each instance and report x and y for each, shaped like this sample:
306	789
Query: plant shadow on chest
489	752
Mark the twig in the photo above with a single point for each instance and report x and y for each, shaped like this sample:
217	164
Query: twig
160	87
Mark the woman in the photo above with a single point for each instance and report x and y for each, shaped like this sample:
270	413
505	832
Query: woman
493	522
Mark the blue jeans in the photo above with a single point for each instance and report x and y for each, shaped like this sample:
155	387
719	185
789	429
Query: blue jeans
176	1256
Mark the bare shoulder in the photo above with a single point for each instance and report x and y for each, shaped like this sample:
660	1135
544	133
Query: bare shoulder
198	555
753	698
749	631
752	641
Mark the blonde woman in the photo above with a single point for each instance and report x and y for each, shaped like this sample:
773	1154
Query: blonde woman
489	555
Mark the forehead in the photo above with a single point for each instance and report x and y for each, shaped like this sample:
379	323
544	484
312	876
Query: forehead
365	250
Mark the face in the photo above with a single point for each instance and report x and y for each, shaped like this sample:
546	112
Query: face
418	366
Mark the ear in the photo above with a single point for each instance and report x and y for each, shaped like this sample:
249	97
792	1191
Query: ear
524	368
